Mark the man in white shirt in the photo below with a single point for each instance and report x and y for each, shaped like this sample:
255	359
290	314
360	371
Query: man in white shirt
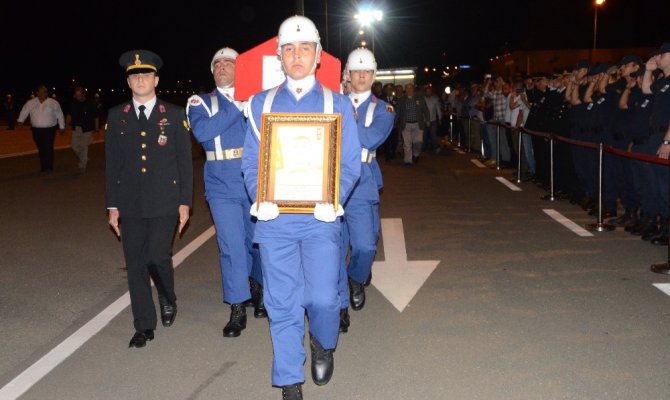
46	118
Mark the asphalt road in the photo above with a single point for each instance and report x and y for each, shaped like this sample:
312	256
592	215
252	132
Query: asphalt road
519	307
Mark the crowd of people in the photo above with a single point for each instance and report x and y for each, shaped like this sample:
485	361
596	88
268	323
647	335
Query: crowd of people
623	105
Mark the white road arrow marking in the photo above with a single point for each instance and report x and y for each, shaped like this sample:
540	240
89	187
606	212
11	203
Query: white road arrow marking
396	278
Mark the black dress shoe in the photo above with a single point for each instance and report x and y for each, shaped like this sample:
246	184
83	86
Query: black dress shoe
140	338
237	322
344	320
322	362
356	295
291	392
257	299
168	314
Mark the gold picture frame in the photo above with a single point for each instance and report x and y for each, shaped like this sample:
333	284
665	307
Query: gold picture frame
299	161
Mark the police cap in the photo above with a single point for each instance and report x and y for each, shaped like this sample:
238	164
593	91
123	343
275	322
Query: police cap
140	61
599	69
665	48
630	58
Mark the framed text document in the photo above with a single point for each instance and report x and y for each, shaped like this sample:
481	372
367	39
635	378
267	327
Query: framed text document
299	161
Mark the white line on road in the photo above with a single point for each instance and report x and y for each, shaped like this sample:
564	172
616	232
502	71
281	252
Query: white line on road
567	223
26	379
477	163
509	184
663	287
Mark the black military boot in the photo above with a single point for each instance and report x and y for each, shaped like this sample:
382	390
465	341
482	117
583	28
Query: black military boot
662	238
322	362
291	392
356	295
238	321
257	299
344	320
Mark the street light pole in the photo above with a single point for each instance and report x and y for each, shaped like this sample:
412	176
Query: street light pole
597	4
595	27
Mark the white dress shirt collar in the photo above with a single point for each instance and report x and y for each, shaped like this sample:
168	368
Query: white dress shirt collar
149	107
359	98
301	87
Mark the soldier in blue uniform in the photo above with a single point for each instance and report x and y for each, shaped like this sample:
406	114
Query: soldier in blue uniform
149	188
374	119
218	123
300	253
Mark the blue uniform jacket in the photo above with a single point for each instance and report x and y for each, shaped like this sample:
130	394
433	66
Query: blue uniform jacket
371	138
223	179
297	226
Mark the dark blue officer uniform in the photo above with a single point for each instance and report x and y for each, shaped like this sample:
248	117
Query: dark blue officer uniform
149	174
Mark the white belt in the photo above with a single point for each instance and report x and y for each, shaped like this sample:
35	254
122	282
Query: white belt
225	154
367	156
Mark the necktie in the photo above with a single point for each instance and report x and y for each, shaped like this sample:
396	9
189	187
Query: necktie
143	116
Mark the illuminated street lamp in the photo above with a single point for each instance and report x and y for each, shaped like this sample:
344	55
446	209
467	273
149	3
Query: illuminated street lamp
367	16
597	4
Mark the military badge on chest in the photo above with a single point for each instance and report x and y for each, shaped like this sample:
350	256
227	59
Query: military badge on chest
162	138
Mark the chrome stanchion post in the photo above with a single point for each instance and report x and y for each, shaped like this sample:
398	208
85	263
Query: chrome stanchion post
663	268
459	133
498	145
550	196
518	161
599	225
451	128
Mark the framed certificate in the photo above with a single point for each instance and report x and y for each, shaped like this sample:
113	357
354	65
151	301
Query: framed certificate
299	162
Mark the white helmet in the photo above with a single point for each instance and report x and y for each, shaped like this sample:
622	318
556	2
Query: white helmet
225	52
297	29
361	59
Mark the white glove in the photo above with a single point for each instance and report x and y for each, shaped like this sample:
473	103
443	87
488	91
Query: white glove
326	212
264	211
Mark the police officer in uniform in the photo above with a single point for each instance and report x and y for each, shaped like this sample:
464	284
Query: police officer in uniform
149	189
374	119
659	139
300	253
218	123
637	106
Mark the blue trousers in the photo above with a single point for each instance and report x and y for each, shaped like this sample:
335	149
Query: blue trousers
301	276
360	231
238	258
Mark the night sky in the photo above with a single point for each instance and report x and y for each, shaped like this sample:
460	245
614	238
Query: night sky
82	40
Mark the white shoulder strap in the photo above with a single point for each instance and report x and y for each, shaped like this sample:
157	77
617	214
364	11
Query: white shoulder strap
269	99
369	114
327	100
217	140
215	103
